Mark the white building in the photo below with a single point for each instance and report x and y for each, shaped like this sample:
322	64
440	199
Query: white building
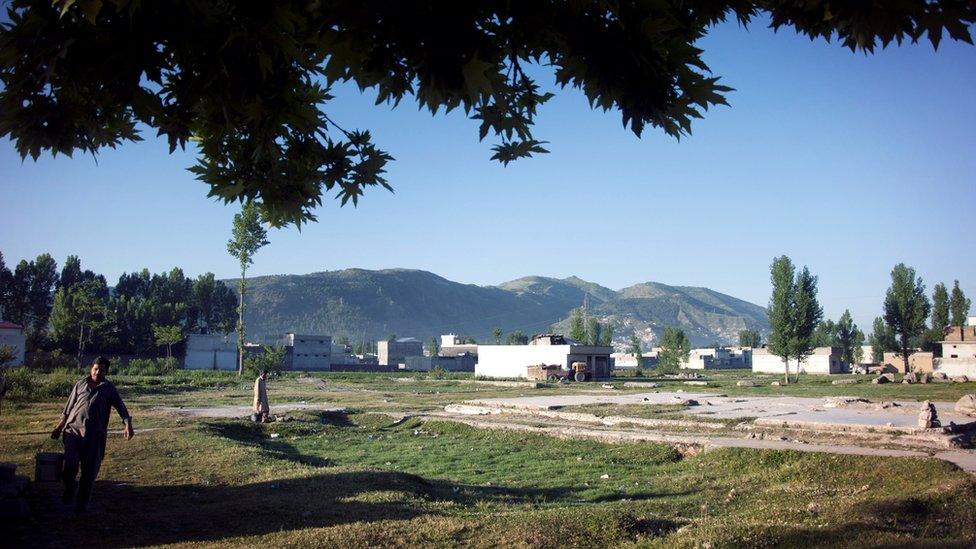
451	345
13	335
824	360
958	352
309	352
629	360
710	358
210	352
512	361
393	353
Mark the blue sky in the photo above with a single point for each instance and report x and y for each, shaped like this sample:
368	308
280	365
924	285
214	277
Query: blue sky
847	163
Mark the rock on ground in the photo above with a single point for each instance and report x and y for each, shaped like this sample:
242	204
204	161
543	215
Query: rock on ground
966	405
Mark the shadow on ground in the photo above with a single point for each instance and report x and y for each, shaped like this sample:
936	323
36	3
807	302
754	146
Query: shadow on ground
126	515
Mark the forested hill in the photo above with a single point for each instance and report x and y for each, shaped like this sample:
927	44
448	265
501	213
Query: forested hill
370	305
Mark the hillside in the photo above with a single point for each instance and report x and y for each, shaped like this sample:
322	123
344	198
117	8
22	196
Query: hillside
363	304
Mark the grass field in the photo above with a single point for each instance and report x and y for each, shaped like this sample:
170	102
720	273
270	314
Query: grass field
362	478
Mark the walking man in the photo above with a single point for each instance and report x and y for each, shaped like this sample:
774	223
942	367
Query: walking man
84	429
261	407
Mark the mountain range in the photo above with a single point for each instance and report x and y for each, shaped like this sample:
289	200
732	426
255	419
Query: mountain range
366	305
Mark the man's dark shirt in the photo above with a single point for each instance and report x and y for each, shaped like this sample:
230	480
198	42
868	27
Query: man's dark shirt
88	409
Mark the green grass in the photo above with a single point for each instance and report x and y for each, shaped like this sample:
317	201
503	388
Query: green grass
360	479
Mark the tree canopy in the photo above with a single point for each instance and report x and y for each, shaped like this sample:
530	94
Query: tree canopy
906	307
250	83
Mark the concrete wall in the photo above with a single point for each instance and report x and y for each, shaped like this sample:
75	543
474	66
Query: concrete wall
721	358
15	338
823	361
463	363
512	360
959	349
629	360
391	353
917	361
953	367
210	352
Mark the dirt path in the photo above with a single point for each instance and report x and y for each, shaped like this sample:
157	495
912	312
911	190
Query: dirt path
965	459
243	411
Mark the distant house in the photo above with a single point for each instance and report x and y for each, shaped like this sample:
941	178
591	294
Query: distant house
721	358
13	335
210	352
824	360
451	346
308	353
958	352
624	361
512	361
393	353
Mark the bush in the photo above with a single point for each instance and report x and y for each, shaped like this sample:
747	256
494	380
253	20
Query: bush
22	384
58	384
271	359
437	373
148	367
44	361
28	385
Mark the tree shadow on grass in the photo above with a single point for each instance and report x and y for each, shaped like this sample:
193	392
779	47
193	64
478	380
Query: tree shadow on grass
126	515
252	434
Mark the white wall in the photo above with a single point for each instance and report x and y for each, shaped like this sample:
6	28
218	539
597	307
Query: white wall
953	367
14	338
210	352
766	363
512	360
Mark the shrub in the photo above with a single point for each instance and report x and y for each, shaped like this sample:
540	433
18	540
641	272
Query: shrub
58	383
271	359
7	354
29	385
437	373
148	367
21	383
638	373
44	361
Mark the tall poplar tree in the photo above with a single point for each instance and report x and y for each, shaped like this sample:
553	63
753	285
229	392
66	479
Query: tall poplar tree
674	349
577	326
940	308
959	306
247	237
849	338
806	318
781	311
906	307
882	340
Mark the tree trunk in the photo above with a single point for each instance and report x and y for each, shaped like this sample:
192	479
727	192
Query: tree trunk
240	327
786	369
81	339
904	352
